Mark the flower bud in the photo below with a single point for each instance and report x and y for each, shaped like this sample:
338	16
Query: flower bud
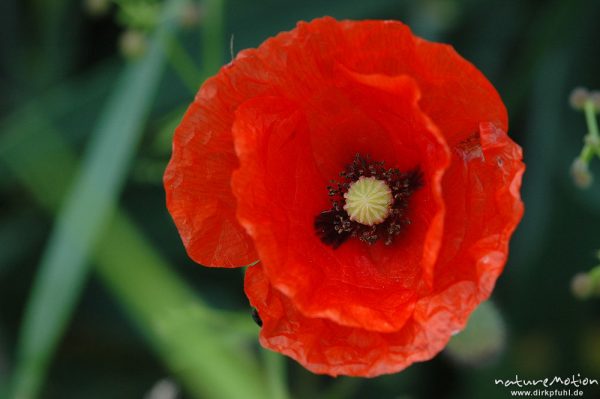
578	97
163	389
133	44
595	99
96	8
582	286
191	14
592	141
580	173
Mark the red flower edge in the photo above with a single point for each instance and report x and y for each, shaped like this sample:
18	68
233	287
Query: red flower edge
324	346
264	136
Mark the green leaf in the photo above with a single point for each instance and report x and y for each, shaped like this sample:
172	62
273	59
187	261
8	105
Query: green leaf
88	206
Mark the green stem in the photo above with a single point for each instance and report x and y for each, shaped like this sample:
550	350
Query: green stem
590	118
213	36
183	64
593	145
275	373
587	153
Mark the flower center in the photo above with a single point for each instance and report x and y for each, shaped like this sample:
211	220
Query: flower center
368	201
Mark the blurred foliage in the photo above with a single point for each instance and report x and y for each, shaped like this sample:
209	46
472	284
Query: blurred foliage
87	115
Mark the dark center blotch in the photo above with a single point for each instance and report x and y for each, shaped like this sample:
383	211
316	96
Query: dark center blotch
334	226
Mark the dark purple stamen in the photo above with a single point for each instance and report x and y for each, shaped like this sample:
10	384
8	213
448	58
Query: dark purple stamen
334	226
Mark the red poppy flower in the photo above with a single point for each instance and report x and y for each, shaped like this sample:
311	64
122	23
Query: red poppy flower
377	270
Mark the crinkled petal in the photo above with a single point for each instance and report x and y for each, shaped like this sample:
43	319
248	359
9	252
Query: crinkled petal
325	347
481	191
197	179
296	110
483	207
296	64
455	94
281	188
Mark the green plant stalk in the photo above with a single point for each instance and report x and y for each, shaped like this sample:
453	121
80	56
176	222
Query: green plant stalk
275	373
589	149
175	322
213	36
89	204
194	341
590	117
183	64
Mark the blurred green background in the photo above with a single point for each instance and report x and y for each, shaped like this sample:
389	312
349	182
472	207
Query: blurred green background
97	296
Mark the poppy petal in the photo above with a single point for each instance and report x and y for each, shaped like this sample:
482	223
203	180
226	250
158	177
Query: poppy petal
479	223
481	191
281	187
254	155
197	179
325	347
297	63
455	94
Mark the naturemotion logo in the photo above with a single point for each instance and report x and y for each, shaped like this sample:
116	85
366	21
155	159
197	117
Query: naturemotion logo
573	382
576	382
